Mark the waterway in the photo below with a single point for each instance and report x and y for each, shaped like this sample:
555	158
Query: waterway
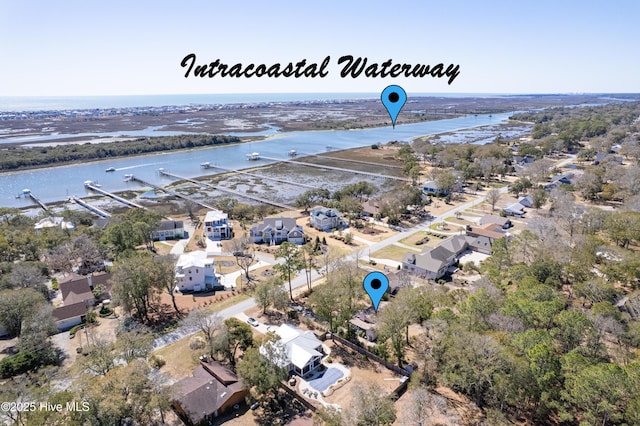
58	183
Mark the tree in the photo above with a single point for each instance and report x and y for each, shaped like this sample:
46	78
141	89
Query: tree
236	335
325	301
163	277
393	321
271	293
101	357
520	185
263	370
27	276
371	407
209	325
135	287
292	262
309	262
135	342
17	306
493	196
245	255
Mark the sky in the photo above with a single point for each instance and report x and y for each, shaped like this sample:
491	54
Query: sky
88	48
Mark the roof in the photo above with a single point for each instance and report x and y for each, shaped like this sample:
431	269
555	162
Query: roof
70	311
489	218
215	215
515	207
300	346
490	230
167	225
324	211
54	221
361	324
276	223
196	259
202	394
455	244
76	290
425	260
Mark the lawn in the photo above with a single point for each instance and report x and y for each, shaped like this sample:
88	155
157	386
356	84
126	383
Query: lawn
391	252
412	239
181	360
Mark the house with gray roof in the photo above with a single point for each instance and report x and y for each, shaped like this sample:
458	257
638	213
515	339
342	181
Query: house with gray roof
504	222
325	219
298	351
168	230
433	262
277	230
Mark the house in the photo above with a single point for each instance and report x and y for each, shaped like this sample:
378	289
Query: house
434	262
481	238
523	160
216	225
53	222
371	207
526	201
325	219
301	350
78	297
365	327
195	272
607	157
277	230
432	188
504	222
515	209
561	179
211	391
168	230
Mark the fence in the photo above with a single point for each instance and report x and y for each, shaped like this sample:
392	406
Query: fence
371	355
295	395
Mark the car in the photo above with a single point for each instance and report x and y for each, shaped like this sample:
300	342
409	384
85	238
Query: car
254	322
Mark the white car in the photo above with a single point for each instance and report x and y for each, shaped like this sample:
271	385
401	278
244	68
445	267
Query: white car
254	322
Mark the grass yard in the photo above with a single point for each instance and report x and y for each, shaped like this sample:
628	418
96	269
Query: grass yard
181	360
391	252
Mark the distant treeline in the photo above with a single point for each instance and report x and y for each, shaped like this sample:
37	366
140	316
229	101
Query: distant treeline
24	157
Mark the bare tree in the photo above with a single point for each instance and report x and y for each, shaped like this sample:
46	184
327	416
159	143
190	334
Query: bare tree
424	407
493	197
208	324
245	255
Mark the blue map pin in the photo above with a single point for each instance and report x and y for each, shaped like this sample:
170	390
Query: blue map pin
375	284
393	98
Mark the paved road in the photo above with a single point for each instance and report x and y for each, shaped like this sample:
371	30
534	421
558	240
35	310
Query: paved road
300	280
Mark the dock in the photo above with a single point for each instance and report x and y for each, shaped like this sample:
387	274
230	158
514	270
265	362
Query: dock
36	199
169	192
354	161
340	169
226	190
93	209
242	172
90	185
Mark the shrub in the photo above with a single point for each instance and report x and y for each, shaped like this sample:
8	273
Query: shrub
54	284
329	360
157	361
75	329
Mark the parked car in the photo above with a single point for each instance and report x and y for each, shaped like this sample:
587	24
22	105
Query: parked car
254	322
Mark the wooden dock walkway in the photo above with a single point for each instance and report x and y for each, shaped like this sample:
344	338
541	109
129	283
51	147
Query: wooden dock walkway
93	209
227	190
304	185
36	199
340	169
327	157
173	194
90	185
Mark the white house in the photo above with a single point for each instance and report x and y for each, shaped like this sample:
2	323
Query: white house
54	222
195	272
216	225
298	351
325	218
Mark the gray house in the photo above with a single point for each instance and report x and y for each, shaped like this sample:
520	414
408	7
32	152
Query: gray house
325	219
433	262
277	230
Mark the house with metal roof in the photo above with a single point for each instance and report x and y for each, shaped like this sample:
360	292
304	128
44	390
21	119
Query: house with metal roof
277	230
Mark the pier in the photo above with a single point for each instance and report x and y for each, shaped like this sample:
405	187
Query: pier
353	161
169	192
242	172
225	190
90	185
36	199
340	169
93	209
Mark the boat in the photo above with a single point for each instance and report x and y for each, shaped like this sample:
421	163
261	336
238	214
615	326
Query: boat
110	169
205	165
293	153
253	156
127	177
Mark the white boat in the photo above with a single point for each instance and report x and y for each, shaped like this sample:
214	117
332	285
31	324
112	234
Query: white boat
205	165
253	156
127	177
293	153
110	169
